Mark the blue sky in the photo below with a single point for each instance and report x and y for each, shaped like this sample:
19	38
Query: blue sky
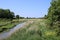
26	8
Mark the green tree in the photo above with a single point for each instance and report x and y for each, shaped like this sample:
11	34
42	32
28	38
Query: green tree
54	14
17	16
6	13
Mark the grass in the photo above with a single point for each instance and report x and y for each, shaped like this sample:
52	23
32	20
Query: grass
34	29
4	21
6	24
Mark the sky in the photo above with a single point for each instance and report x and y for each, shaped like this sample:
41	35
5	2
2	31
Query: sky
27	8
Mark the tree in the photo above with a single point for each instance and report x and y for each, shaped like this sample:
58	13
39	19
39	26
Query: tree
6	14
51	17
21	17
45	16
27	17
17	16
54	14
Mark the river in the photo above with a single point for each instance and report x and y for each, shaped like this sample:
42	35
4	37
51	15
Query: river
4	35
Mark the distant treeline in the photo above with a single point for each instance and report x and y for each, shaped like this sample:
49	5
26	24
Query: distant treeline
6	13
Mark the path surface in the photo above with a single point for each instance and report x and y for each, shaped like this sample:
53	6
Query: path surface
7	34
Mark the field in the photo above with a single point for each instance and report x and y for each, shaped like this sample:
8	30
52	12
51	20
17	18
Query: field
6	24
34	29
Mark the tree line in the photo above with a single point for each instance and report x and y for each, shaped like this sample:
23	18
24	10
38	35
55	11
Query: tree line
6	13
54	15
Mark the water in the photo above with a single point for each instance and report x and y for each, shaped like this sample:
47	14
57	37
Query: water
7	34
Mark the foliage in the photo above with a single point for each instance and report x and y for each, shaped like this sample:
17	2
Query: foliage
35	31
17	16
6	14
6	24
54	15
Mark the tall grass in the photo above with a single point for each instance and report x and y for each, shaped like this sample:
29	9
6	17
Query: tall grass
34	31
6	24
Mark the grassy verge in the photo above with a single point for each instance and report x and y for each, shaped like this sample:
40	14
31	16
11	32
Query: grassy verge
6	24
35	31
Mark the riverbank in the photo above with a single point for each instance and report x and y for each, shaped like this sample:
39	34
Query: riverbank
6	24
30	31
34	30
11	31
5	35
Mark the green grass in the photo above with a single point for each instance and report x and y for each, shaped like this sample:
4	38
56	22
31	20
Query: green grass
4	21
35	31
7	24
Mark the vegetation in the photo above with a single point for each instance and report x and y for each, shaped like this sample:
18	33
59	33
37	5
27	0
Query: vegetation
37	30
54	16
8	19
6	14
17	16
46	28
6	24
